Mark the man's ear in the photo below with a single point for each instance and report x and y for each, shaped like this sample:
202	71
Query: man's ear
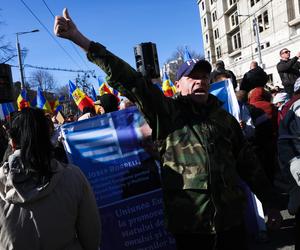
177	84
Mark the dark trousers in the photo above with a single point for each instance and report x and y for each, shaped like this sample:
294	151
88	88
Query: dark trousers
233	239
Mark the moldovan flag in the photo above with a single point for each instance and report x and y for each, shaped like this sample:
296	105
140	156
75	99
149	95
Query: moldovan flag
22	100
105	89
41	101
167	86
80	98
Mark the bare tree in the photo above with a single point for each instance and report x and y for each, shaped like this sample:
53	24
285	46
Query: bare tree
7	51
63	91
42	79
83	82
172	64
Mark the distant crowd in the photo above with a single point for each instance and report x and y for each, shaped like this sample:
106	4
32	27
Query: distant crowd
205	155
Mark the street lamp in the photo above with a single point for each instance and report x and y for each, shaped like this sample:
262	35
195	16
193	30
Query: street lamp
19	54
256	31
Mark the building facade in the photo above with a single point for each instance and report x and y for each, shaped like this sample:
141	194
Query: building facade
240	31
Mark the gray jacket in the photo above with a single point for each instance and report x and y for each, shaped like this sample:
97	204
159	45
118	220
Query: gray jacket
289	153
61	214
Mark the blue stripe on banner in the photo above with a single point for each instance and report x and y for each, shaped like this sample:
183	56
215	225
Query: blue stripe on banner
124	178
88	137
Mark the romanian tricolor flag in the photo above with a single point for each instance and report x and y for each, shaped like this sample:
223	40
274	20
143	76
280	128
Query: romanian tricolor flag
22	100
41	101
81	99
168	87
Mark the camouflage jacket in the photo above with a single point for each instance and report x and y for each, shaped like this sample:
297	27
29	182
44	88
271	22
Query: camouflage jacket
202	149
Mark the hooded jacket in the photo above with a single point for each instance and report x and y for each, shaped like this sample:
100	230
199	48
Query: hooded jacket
60	213
202	149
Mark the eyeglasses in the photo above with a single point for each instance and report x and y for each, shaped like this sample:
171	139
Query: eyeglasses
285	52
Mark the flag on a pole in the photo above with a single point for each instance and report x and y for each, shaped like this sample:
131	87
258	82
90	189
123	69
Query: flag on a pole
225	93
168	87
187	56
94	95
55	106
6	109
41	101
81	99
22	100
105	89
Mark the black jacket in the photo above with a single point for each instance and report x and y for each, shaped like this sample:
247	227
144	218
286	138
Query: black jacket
256	77
289	72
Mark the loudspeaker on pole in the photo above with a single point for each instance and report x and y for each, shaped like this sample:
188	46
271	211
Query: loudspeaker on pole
146	59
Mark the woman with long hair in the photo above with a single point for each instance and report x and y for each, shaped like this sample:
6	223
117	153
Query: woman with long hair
44	204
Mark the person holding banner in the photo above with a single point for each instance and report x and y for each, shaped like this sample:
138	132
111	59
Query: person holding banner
202	148
44	204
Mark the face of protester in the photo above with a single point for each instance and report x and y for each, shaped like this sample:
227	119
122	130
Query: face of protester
195	84
99	110
285	54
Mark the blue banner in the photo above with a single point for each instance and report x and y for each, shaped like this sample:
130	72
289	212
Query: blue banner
113	152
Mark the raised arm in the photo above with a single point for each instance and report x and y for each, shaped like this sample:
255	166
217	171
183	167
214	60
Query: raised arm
65	27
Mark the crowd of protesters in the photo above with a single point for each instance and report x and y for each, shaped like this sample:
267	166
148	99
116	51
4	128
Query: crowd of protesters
203	205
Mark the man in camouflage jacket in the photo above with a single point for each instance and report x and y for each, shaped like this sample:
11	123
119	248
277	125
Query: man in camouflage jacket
202	149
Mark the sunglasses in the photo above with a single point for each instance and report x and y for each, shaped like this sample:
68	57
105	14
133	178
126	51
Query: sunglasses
285	52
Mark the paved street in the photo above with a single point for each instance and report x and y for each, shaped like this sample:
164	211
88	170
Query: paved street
282	239
278	240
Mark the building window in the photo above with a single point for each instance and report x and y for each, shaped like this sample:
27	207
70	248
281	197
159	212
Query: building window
266	19
263	21
231	2
234	19
214	16
202	5
253	2
208	55
216	33
206	38
211	2
267	44
204	21
236	41
218	52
